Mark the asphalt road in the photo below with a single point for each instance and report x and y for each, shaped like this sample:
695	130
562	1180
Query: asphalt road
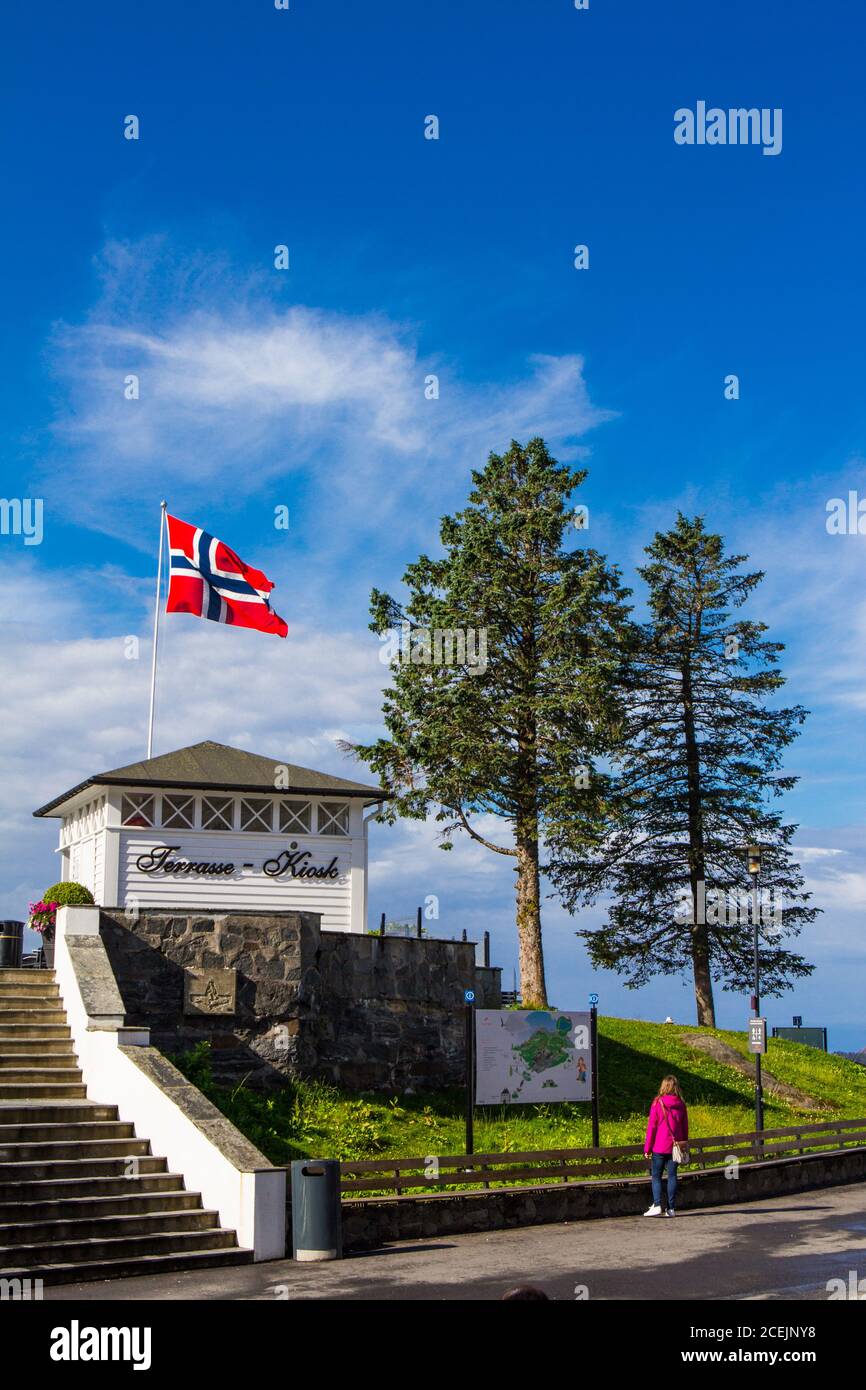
782	1248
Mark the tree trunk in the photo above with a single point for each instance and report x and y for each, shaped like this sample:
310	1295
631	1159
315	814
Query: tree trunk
532	985
706	1010
531	952
703	979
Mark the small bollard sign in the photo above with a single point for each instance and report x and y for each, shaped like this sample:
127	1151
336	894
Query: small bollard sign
757	1035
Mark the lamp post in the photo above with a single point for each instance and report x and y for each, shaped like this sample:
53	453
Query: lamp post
754	853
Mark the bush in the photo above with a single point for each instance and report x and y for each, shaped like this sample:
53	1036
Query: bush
66	894
196	1065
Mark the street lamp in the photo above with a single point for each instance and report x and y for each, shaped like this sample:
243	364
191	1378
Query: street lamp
754	858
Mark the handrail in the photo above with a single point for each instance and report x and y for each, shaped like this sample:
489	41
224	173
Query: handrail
373	1165
395	1174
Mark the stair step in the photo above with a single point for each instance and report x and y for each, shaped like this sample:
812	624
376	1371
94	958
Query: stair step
59	1150
30	1030
26	1047
165	1242
35	1014
39	1089
97	1207
29	988
58	1169
28	1000
65	1134
34	993
75	1229
20	974
81	1197
54	1112
48	1190
130	1266
39	1076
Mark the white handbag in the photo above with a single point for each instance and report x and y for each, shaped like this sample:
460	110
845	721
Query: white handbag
680	1152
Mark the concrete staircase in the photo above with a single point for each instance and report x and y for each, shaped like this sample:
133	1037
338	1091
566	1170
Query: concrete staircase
81	1197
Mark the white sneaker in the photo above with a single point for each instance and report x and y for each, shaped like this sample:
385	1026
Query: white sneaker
653	1211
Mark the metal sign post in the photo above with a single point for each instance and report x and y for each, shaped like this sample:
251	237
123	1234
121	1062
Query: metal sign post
758	1046
758	1035
593	1047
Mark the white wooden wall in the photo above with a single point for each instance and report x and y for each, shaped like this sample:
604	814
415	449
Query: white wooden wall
98	851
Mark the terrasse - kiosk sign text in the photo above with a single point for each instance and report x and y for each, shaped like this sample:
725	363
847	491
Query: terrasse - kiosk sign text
291	862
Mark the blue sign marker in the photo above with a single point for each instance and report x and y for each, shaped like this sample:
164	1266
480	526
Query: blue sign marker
469	996
593	999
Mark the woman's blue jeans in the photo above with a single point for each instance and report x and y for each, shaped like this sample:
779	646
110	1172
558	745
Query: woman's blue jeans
659	1161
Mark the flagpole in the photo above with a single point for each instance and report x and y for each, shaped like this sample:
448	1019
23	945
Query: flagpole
155	631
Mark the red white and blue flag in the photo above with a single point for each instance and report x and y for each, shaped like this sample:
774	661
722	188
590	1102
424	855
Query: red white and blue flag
207	579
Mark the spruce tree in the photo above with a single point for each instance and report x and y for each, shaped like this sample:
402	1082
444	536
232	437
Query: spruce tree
515	740
694	783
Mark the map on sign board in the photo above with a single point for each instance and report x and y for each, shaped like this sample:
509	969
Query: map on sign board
531	1056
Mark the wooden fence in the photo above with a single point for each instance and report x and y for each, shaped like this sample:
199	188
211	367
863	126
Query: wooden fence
395	1176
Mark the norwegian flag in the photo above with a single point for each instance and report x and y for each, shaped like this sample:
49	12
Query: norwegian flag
207	579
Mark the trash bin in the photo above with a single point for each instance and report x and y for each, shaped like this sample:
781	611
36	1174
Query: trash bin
11	938
316	1231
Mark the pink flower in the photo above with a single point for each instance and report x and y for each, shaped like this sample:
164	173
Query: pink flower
43	916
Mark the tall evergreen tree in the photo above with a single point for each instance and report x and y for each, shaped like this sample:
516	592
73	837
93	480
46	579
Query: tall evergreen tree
695	778
514	737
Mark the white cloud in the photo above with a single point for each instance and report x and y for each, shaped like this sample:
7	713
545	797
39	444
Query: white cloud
839	889
413	847
238	396
75	705
813	595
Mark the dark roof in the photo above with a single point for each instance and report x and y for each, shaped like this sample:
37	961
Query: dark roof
210	765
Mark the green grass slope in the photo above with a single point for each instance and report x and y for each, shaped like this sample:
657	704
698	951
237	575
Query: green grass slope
311	1119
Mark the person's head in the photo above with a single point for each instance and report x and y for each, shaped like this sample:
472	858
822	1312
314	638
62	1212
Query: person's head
670	1087
527	1292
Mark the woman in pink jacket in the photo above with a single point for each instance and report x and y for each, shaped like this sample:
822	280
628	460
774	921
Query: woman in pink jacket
668	1125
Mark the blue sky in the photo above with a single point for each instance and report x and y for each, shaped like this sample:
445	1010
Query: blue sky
409	256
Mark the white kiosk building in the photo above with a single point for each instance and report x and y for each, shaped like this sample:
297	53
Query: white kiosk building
215	827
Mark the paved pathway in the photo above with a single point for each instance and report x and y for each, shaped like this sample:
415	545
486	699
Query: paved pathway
784	1247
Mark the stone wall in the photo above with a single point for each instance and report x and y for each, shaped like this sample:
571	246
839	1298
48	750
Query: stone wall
367	1012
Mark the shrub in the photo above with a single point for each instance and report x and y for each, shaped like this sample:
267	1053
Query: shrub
66	894
196	1065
